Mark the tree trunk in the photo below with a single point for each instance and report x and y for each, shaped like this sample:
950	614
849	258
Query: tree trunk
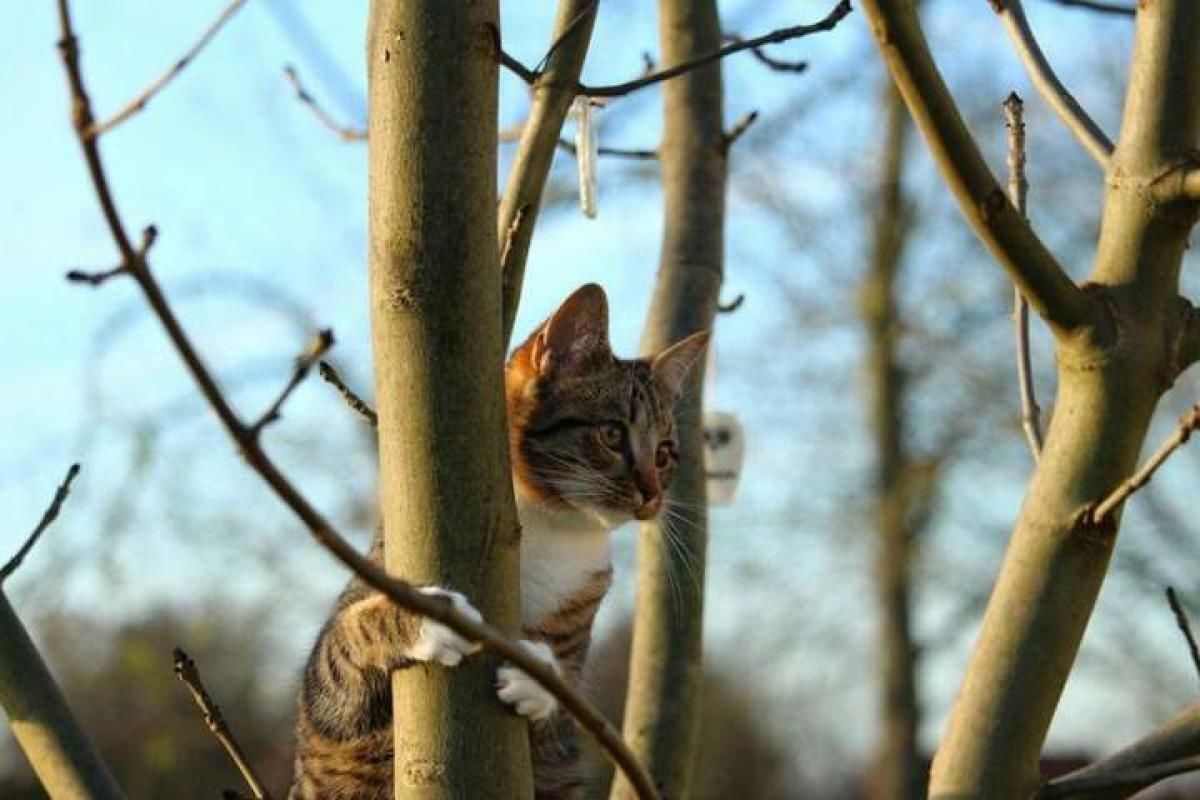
66	763
665	666
444	486
1110	379
896	774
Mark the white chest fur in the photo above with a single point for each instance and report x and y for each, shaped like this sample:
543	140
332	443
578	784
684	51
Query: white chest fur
560	552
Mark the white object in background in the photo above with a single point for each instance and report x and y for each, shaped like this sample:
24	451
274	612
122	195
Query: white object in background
586	152
724	452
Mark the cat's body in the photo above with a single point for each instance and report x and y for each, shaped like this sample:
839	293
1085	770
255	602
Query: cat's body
592	445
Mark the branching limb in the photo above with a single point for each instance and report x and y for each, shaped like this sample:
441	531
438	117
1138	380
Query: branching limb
1085	129
839	12
1018	188
1188	424
1185	627
316	348
66	763
185	670
400	592
1116	9
1032	267
51	514
331	376
554	91
770	62
146	95
347	133
1170	750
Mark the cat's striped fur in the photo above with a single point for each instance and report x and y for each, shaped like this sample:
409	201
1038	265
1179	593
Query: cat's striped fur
592	446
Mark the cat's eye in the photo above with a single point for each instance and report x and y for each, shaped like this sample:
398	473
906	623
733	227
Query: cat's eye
612	434
664	455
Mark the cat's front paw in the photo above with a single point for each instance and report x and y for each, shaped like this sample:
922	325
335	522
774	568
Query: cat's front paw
526	696
436	642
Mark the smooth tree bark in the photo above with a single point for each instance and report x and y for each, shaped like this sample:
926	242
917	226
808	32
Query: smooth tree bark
665	665
445	494
1121	342
896	772
63	758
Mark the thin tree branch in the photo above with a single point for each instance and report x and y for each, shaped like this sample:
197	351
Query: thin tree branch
738	130
158	84
1018	189
732	306
1152	758
331	376
554	91
1085	129
1185	627
63	758
317	347
839	12
1188	424
774	64
400	592
1126	781
1116	9
346	133
51	514
185	670
1032	267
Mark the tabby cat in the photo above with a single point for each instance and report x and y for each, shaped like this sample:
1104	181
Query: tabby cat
592	440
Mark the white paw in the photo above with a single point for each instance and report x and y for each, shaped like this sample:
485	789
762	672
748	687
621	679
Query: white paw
436	642
523	693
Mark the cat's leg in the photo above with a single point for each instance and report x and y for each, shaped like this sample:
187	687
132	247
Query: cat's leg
525	695
344	737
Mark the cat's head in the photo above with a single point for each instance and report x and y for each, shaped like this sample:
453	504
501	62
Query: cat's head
587	430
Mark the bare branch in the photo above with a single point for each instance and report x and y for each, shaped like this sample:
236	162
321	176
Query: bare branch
839	12
400	592
1185	627
157	85
1152	758
775	64
331	376
739	129
554	91
1188	424
1018	188
1085	129
185	670
317	347
732	306
48	517
346	133
1032	267
1116	9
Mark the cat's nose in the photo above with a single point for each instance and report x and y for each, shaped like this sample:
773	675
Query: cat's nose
649	508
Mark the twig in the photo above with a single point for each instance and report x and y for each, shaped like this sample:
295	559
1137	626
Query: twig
839	12
775	64
632	153
732	306
1185	627
331	376
1085	129
146	95
346	133
738	130
1031	266
318	346
185	670
1188	424
46	521
1116	9
149	234
400	592
1018	188
1134	779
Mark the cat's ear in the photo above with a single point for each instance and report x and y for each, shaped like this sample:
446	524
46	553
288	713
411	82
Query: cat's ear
576	336
671	366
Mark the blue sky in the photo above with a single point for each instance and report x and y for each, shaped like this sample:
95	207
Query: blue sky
261	214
